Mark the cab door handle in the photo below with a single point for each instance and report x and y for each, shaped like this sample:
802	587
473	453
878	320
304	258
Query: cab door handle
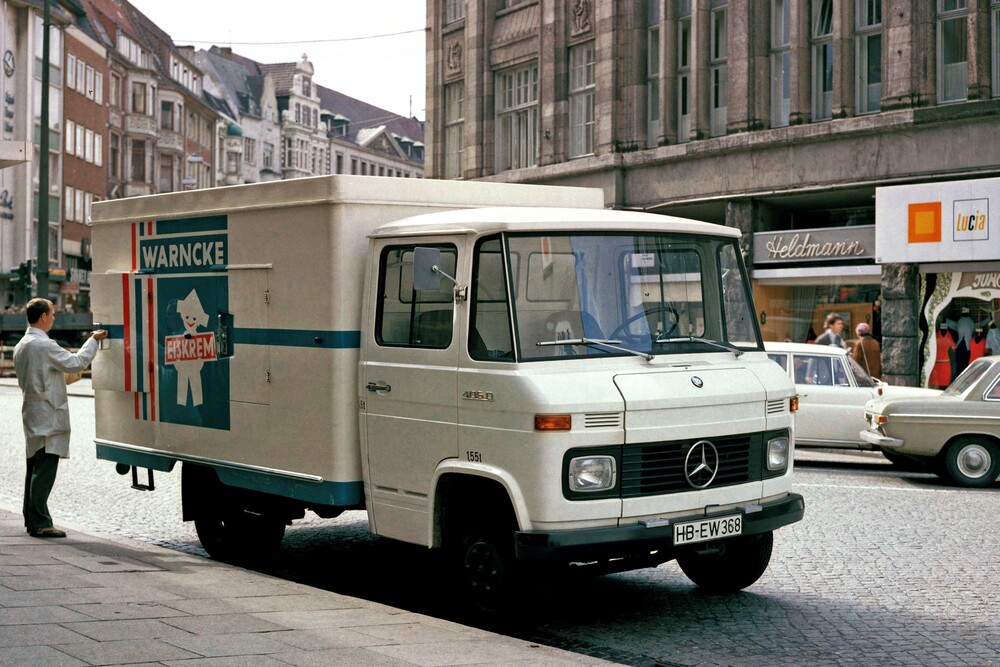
378	386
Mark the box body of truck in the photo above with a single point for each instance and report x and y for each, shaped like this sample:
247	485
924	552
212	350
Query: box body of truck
549	382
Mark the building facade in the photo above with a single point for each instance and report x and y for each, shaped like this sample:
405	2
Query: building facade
778	117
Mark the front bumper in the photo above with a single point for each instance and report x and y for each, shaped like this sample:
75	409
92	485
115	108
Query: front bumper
879	440
639	539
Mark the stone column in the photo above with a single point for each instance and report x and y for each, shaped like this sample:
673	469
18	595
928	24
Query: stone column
742	214
900	320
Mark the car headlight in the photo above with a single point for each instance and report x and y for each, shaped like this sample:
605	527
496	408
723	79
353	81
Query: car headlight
591	473
777	453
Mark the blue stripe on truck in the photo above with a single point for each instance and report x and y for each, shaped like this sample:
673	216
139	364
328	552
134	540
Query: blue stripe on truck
320	492
337	340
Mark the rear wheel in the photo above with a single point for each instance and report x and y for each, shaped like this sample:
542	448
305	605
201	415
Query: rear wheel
728	566
972	461
235	535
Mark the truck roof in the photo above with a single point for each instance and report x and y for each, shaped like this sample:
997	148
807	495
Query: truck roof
522	219
340	190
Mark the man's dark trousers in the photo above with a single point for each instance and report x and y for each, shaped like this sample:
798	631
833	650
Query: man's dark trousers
38	482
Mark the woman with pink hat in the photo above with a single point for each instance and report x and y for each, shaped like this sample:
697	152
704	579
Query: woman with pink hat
867	351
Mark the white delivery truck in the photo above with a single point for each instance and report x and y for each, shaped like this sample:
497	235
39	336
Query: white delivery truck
548	382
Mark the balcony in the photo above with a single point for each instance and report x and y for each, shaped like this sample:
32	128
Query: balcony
140	124
170	141
137	189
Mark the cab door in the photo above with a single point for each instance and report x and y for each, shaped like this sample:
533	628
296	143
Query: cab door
408	384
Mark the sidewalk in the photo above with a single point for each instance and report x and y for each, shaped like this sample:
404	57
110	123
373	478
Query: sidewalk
85	600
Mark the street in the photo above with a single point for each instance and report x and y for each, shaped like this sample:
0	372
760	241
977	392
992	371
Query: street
887	568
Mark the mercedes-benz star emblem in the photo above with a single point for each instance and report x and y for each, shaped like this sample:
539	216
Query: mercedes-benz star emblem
701	464
696	381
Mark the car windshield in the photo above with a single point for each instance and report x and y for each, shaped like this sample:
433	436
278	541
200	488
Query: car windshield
621	293
967	378
861	376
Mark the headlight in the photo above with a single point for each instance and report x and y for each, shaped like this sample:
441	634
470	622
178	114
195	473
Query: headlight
591	473
777	453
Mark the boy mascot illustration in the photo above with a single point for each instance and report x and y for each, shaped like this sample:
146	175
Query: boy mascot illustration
193	315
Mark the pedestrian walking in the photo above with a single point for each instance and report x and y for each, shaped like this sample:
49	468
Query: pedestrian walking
41	365
867	351
834	327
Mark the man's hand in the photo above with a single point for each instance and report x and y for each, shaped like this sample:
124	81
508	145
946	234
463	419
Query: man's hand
100	334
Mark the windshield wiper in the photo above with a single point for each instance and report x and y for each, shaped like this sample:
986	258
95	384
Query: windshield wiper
662	340
612	345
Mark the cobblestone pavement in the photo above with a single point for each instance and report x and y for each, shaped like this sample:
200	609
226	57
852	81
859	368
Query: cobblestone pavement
888	568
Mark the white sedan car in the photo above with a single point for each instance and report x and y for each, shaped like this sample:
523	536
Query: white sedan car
833	390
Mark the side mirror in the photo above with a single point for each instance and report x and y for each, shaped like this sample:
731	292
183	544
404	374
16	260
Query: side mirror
426	275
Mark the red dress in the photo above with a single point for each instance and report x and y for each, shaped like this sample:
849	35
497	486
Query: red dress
941	373
977	348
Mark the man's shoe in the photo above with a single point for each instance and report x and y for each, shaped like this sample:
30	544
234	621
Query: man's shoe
50	531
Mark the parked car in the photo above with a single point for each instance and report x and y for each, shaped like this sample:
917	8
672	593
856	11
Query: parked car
833	390
956	433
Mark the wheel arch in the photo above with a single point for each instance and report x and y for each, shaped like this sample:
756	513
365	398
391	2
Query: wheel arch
472	488
964	436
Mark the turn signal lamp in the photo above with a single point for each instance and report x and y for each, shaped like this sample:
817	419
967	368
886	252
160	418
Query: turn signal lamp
553	422
793	404
878	420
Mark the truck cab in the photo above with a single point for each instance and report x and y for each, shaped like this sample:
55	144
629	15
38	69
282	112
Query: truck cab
572	386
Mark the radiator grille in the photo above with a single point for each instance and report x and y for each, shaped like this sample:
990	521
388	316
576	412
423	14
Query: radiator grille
657	468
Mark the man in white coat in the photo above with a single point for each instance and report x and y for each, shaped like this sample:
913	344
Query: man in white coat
40	364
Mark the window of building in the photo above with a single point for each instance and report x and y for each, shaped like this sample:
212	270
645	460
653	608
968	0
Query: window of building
249	151
88	153
340	163
952	50
81	76
139	98
116	91
995	46
71	71
781	62
717	70
869	55
68	210
454	10
89	90
114	154
354	165
684	75
98	88
166	183
138	160
822	59
517	118
454	122
81	134
70	137
581	100
268	155
167	115
98	149
652	73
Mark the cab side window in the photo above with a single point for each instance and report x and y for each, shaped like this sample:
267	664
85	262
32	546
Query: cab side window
489	337
414	318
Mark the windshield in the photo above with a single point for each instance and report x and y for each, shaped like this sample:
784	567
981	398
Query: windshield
861	376
967	378
617	293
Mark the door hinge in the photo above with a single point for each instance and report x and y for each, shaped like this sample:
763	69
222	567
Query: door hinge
267	297
267	376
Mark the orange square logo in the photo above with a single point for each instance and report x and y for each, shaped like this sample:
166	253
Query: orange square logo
924	223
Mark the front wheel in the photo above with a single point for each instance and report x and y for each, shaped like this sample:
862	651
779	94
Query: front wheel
485	562
728	566
973	461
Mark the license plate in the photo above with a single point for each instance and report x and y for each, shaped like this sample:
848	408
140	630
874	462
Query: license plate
708	529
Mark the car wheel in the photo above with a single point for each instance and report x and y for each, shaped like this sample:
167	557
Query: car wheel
728	566
973	461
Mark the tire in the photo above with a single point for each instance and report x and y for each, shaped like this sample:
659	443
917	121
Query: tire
234	535
728	566
486	572
973	461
